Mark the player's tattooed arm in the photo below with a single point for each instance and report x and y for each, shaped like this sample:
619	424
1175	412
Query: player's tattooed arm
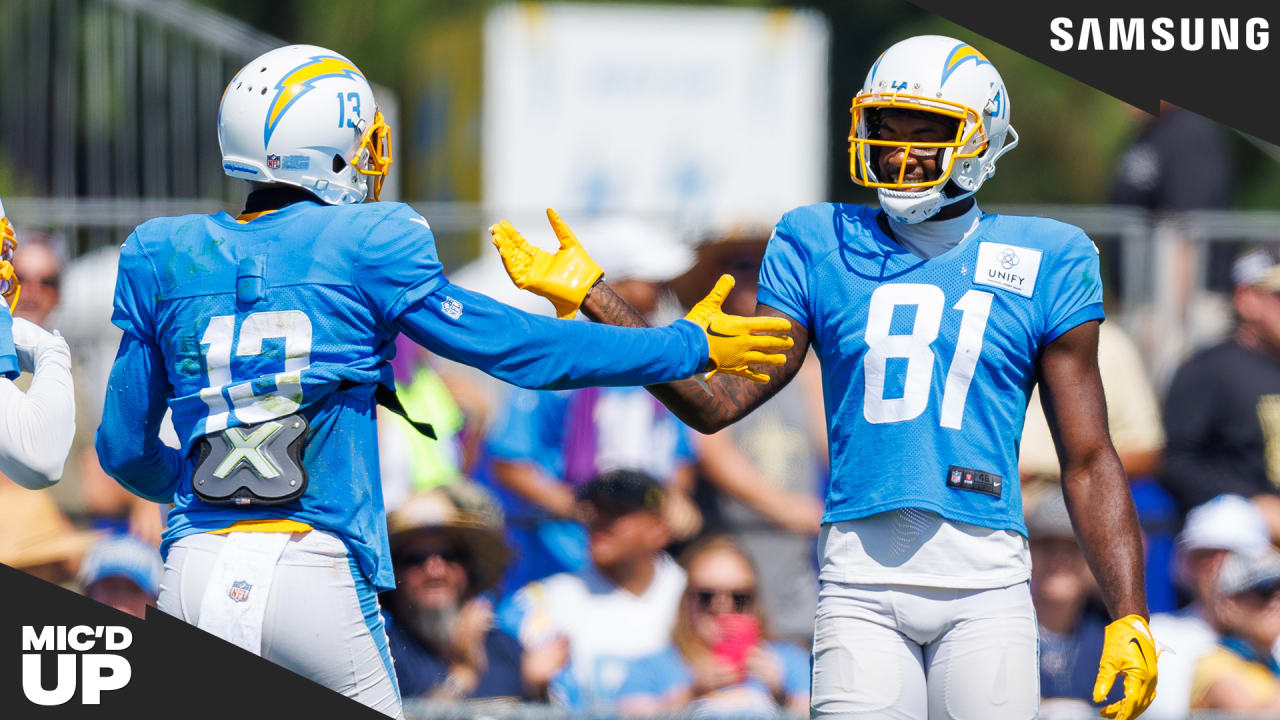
731	397
1093	480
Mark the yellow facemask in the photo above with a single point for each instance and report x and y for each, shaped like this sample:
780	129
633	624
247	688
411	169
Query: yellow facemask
9	287
373	157
970	139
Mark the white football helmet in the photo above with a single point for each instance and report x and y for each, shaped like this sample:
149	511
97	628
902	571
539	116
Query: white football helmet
303	115
941	75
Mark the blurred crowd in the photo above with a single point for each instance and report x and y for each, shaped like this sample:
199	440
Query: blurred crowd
585	548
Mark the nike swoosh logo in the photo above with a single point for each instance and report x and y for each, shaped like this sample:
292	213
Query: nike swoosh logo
1139	646
716	334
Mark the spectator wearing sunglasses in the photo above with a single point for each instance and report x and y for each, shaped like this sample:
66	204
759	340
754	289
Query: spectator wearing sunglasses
447	549
721	660
1242	675
620	607
39	267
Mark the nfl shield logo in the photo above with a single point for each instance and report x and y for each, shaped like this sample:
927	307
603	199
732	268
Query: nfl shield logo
451	307
273	162
239	591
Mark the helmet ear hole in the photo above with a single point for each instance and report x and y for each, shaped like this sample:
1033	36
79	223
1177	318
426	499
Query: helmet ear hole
339	163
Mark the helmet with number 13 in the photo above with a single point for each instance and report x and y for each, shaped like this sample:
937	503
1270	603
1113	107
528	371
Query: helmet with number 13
305	116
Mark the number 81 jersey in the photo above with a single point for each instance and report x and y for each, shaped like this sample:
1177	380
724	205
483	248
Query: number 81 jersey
928	365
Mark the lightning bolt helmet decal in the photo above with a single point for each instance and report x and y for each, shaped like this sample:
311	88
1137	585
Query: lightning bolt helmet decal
300	81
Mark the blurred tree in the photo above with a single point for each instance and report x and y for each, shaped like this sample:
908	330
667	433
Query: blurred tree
1072	135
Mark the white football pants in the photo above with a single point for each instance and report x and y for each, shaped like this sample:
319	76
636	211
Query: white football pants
321	618
915	653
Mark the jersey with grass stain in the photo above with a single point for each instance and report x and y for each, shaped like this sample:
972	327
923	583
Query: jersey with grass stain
297	310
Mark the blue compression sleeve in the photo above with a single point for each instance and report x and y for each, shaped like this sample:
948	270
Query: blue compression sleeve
539	352
8	355
128	441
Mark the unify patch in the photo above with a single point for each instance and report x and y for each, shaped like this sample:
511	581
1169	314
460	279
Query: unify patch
1007	266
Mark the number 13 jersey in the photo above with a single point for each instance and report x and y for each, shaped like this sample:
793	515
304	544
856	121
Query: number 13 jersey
928	365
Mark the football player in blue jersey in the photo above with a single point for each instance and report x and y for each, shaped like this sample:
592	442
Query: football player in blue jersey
932	321
269	334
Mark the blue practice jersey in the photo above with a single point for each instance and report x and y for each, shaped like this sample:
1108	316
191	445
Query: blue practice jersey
231	323
928	365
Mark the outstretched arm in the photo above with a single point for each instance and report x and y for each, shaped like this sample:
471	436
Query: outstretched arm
725	398
1102	512
569	278
533	351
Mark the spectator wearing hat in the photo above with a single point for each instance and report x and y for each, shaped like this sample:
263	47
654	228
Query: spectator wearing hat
1072	620
1226	524
36	537
620	607
1222	412
1241	675
123	572
447	549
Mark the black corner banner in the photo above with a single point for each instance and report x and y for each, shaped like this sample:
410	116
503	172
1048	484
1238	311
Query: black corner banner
66	656
1217	59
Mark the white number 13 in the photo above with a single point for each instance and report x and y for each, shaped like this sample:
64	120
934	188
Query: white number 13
294	327
881	346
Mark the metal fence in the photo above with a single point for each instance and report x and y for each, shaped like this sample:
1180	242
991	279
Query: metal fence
119	99
110	119
1167	276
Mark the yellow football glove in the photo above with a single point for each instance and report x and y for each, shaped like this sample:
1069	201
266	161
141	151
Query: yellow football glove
730	339
563	277
1127	648
9	287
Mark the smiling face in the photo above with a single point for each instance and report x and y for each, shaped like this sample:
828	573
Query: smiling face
922	164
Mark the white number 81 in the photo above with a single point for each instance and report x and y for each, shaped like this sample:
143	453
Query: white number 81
928	299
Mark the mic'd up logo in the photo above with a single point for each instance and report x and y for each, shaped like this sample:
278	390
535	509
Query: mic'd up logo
94	672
